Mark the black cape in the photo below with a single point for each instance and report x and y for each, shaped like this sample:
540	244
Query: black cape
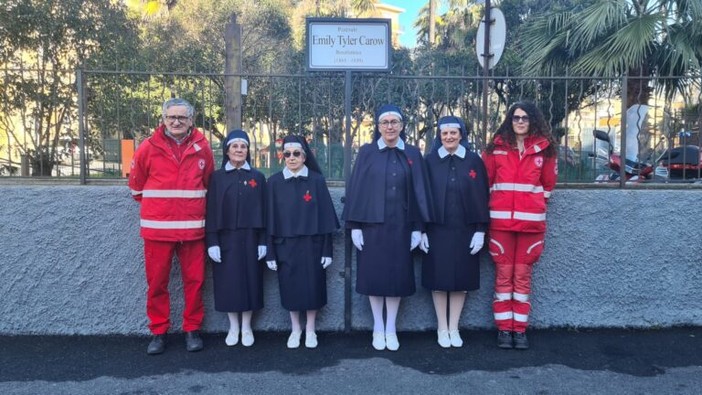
473	183
247	213
363	203
299	206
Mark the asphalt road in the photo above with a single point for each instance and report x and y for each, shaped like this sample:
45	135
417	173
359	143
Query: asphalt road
664	361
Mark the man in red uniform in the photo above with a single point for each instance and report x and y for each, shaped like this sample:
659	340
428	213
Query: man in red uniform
522	171
169	177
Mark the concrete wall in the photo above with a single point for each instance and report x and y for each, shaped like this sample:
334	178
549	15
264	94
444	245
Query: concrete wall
71	262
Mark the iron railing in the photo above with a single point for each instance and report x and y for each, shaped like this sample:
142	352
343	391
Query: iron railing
87	129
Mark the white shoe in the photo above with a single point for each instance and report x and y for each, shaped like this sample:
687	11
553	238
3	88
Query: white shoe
310	340
379	341
232	338
294	339
442	337
247	338
456	340
391	341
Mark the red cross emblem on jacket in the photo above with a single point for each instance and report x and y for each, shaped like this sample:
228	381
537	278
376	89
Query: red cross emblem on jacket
307	196
252	183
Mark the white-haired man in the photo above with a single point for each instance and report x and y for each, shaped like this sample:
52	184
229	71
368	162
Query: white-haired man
169	177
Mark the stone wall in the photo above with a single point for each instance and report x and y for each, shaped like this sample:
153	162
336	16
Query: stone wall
72	263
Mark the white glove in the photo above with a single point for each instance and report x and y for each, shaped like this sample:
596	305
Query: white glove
262	250
215	254
416	238
272	265
357	238
326	261
477	242
424	244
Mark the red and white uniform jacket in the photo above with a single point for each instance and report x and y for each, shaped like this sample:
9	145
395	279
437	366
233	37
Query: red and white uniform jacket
520	186
170	181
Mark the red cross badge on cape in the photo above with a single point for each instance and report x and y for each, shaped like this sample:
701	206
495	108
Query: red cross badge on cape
307	197
472	174
252	183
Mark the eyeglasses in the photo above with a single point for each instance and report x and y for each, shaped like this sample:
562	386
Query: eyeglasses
296	154
392	123
517	118
179	118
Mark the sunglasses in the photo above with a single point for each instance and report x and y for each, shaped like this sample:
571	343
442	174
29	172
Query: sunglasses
296	154
517	118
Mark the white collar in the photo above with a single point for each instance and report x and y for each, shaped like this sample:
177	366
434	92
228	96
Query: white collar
229	166
400	144
304	172
460	152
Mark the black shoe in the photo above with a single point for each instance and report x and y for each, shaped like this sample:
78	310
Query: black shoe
520	341
157	345
504	339
193	342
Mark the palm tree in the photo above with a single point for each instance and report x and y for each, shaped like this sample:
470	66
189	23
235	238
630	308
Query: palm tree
642	38
363	6
432	22
452	29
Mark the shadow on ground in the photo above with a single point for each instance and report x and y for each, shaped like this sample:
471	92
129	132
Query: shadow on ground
62	358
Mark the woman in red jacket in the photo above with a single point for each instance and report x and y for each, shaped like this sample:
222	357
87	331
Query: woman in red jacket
522	170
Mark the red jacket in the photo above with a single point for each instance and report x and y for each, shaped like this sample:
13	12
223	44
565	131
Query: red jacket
172	192
520	187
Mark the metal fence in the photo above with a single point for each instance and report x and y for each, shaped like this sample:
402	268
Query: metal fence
85	124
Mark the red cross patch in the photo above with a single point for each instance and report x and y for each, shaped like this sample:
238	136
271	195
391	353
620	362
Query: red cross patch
307	196
409	161
539	161
472	174
252	183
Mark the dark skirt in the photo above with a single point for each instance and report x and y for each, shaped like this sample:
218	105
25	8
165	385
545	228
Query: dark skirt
385	266
238	280
449	266
302	280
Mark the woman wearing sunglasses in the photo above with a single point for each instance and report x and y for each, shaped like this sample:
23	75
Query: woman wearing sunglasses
451	267
522	171
236	237
387	202
301	220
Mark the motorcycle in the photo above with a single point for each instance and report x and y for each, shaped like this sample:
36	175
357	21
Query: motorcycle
634	171
682	163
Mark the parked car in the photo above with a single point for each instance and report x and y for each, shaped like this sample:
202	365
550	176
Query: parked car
684	162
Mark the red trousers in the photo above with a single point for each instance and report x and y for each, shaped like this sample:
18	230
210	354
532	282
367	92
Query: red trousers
158	256
514	254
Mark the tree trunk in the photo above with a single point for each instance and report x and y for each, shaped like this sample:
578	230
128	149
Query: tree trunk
232	65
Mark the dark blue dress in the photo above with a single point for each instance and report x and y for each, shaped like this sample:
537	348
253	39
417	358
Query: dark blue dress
461	196
387	198
236	223
301	220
